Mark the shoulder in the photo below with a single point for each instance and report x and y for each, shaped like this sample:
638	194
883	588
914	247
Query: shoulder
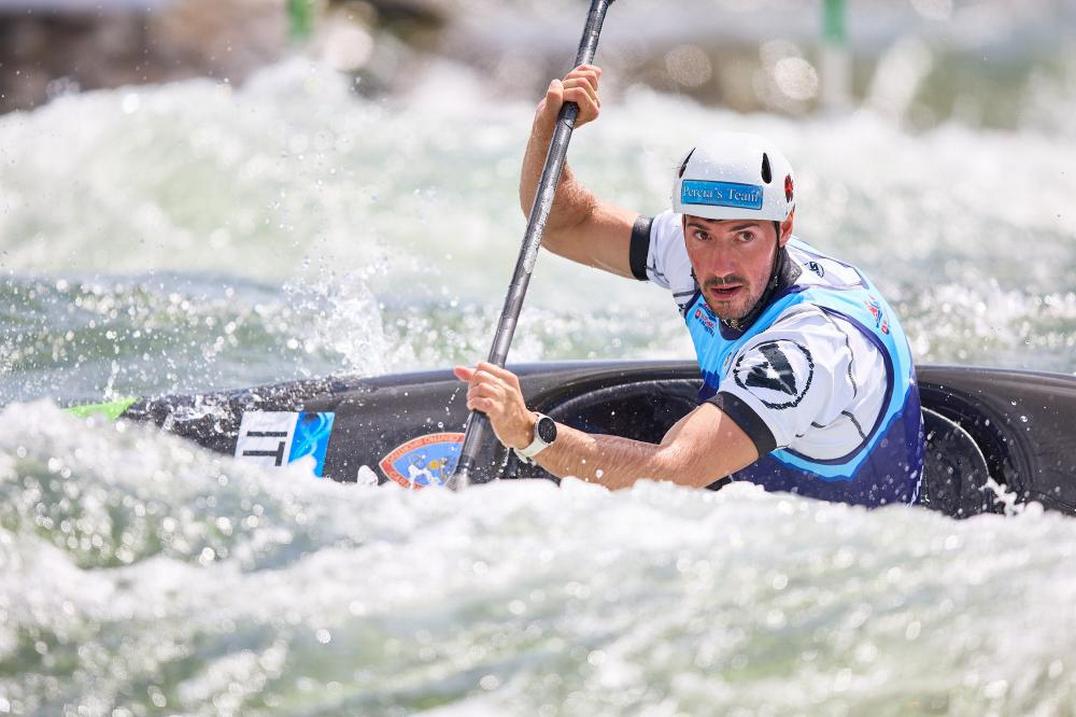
667	262
803	371
813	340
820	269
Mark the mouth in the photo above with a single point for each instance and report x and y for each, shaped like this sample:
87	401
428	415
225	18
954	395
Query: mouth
725	293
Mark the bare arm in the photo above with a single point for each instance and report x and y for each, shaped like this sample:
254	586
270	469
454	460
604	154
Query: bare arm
581	227
702	447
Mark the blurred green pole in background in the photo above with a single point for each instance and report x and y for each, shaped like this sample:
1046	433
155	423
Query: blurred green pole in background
836	59
301	16
835	28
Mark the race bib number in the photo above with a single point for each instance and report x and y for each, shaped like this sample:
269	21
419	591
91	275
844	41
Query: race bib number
274	439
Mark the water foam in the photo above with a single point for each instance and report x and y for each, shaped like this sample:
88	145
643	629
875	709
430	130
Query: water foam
148	576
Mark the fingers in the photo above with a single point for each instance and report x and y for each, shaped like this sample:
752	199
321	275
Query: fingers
579	86
485	405
580	92
588	106
486	390
588	74
502	373
592	71
554	94
486	393
491	387
554	99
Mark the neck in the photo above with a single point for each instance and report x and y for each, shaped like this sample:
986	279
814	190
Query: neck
783	274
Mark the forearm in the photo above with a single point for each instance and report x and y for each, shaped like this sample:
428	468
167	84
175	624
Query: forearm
573	203
703	446
616	462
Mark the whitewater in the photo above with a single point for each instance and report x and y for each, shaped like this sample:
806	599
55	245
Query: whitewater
198	236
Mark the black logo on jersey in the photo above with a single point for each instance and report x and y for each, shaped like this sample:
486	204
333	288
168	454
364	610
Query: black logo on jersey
817	268
778	373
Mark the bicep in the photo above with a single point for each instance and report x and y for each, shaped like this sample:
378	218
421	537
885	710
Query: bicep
601	240
706	445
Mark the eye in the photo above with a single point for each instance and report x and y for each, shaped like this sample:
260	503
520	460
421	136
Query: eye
746	235
701	235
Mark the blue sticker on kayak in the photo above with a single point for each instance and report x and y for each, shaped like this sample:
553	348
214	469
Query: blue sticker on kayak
423	461
721	194
312	431
276	438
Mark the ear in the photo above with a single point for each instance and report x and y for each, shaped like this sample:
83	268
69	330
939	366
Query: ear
786	228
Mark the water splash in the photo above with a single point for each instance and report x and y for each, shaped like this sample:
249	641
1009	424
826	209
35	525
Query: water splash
148	576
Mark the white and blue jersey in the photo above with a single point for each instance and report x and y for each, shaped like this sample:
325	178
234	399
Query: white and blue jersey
821	380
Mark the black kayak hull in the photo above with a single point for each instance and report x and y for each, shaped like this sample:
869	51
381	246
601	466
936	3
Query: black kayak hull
984	426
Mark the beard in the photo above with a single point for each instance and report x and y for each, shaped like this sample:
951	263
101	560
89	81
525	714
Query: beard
730	306
733	305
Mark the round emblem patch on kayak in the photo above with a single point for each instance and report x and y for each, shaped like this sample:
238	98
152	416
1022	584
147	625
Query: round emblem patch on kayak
423	461
778	373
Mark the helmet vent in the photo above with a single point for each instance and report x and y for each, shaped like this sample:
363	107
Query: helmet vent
767	172
683	167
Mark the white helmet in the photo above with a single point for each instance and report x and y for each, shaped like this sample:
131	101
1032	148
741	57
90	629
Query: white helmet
735	176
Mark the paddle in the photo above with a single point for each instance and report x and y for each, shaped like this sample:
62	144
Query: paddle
478	427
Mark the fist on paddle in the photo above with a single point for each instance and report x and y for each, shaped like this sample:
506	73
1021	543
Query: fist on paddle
579	86
495	392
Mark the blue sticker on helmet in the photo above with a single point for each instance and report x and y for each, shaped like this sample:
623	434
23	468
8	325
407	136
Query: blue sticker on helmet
721	194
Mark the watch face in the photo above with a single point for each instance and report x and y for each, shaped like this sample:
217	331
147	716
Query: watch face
546	429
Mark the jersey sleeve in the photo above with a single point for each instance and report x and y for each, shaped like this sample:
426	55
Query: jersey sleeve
658	254
807	374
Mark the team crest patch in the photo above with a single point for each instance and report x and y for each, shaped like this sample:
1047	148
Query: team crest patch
423	461
778	373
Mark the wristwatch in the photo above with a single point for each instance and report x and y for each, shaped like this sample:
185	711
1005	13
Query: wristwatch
545	432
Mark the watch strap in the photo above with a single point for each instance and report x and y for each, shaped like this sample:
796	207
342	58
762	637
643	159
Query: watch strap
536	446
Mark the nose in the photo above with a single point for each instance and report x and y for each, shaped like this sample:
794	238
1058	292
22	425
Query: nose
719	260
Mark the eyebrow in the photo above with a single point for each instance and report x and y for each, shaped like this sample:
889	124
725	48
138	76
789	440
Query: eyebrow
736	228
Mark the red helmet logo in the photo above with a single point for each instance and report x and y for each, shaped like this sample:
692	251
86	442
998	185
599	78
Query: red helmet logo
789	193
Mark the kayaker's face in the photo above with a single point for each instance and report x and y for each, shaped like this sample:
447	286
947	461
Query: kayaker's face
733	261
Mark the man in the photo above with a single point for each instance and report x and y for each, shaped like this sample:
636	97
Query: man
808	382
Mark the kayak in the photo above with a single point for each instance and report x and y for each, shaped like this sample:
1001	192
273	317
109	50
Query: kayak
996	438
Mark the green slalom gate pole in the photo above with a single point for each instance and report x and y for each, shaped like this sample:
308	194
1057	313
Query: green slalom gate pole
834	23
300	18
836	57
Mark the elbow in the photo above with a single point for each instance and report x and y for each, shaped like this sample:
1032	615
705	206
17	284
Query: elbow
676	465
670	465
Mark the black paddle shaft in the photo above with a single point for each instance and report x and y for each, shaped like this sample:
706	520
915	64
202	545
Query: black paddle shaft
478	427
